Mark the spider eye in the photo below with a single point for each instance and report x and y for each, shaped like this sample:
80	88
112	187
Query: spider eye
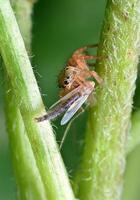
67	68
66	82
68	77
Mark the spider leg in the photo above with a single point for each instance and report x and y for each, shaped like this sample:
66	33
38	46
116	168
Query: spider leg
88	57
82	49
80	57
81	63
91	64
92	46
96	76
79	80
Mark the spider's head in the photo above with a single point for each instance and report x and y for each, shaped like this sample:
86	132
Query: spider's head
66	78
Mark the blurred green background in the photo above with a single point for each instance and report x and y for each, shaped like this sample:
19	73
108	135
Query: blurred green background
60	27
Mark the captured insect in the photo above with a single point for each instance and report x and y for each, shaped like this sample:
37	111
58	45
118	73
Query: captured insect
75	86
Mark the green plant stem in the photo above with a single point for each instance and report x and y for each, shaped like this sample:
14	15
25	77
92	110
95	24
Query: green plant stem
134	139
29	183
28	99
101	173
23	11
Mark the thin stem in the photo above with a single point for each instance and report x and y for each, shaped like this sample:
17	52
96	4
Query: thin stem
28	98
102	168
29	183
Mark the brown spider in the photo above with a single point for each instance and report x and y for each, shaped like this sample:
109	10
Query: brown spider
77	71
75	86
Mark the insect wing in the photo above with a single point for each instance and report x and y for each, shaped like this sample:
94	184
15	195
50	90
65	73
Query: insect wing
73	109
59	108
66	97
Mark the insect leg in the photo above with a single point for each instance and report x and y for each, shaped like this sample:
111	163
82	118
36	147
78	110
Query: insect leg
81	110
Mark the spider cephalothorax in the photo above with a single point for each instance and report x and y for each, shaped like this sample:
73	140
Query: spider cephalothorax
77	72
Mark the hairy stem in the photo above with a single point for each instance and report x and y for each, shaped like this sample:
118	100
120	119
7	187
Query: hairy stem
28	99
102	168
23	12
29	183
